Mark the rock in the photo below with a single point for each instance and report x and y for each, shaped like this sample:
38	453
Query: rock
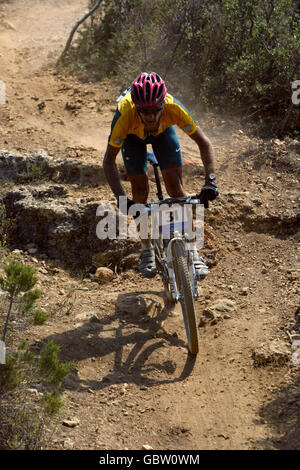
61	227
123	389
32	251
71	423
210	258
287	222
296	351
257	201
71	382
130	261
43	271
209	314
8	25
147	447
295	145
294	276
217	310
137	304
244	291
223	305
18	168
116	253
17	252
103	275
276	352
86	316
68	443
72	106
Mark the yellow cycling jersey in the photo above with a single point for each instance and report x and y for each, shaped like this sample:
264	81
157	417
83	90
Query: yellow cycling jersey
127	120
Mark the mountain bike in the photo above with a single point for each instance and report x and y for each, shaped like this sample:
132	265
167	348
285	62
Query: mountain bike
174	260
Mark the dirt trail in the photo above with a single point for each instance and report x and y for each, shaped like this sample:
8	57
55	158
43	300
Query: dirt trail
135	383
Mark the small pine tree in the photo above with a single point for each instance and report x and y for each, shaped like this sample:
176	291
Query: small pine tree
49	363
20	279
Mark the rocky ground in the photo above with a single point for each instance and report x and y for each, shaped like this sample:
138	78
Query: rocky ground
135	384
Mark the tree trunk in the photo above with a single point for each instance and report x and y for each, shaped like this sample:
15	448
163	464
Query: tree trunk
7	318
68	44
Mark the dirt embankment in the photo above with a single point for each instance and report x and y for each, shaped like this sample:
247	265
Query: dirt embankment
135	384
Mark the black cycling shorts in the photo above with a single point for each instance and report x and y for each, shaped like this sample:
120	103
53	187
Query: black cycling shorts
165	146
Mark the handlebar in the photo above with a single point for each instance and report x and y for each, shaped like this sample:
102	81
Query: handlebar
194	199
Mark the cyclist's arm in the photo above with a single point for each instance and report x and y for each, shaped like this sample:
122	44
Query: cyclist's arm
206	151
111	171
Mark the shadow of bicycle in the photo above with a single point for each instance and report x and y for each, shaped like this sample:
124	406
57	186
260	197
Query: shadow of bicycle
137	342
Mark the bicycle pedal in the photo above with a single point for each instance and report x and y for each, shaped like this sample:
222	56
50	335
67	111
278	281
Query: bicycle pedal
201	273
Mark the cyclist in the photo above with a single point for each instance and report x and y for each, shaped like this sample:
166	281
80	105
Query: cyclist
146	114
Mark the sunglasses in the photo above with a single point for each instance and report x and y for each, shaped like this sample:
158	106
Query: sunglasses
148	112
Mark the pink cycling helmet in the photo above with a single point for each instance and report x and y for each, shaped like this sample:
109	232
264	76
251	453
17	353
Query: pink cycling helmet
148	89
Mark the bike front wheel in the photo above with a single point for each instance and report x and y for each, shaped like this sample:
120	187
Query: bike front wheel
163	272
184	286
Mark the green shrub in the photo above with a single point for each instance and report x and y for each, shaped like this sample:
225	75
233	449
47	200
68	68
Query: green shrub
49	363
40	317
229	55
35	171
19	277
21	428
19	282
23	416
28	300
52	402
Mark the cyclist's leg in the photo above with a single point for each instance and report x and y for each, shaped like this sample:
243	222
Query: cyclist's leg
168	153
134	152
173	182
139	188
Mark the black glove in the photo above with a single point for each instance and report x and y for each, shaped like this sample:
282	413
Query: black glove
125	204
209	192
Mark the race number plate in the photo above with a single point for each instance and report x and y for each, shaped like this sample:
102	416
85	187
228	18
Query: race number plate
173	219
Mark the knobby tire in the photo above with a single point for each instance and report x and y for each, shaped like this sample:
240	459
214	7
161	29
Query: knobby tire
184	286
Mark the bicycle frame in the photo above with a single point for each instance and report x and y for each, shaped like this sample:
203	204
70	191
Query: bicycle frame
164	251
174	259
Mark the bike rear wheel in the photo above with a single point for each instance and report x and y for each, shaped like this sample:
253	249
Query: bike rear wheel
184	286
